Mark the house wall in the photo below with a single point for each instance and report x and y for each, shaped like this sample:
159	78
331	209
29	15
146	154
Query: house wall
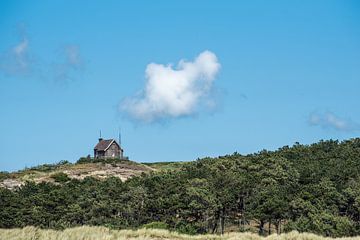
98	154
113	151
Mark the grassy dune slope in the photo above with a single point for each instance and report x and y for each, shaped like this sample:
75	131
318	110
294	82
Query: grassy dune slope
102	233
123	169
164	166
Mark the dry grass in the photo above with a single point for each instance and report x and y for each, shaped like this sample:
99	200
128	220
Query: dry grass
102	233
123	170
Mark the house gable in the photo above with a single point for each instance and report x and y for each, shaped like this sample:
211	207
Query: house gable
108	148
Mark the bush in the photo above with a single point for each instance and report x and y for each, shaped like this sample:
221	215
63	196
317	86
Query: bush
322	223
63	162
186	228
48	167
60	177
88	159
4	175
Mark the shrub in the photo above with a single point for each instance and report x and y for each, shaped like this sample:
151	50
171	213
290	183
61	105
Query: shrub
4	175
186	228
60	177
48	167
86	159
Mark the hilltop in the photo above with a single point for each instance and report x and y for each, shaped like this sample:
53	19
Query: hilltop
84	167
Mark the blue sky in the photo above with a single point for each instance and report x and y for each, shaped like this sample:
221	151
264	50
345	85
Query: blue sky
253	75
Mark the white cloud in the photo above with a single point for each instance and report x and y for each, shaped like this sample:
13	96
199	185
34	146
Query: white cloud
174	92
16	61
329	120
70	63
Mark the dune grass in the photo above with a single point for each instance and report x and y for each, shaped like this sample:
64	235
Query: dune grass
102	233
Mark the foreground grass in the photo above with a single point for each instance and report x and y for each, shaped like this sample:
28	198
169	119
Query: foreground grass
102	233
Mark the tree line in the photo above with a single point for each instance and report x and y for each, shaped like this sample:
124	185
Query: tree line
308	188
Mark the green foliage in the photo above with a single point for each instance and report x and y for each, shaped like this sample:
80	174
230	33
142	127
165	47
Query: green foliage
4	175
324	223
166	165
60	177
48	167
186	228
308	188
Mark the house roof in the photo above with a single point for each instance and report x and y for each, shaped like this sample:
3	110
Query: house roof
104	144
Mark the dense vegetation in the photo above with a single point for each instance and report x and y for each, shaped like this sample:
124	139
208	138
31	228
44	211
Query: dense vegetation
313	188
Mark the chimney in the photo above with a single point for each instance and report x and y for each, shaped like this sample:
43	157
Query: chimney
100	138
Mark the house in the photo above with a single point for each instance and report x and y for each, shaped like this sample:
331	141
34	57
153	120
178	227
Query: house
108	148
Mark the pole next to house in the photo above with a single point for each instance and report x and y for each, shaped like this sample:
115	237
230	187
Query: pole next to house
119	136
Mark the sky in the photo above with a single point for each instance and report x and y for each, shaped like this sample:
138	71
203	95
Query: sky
181	79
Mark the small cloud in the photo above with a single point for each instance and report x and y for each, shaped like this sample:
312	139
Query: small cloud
21	48
244	96
329	120
71	63
172	92
16	61
73	56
